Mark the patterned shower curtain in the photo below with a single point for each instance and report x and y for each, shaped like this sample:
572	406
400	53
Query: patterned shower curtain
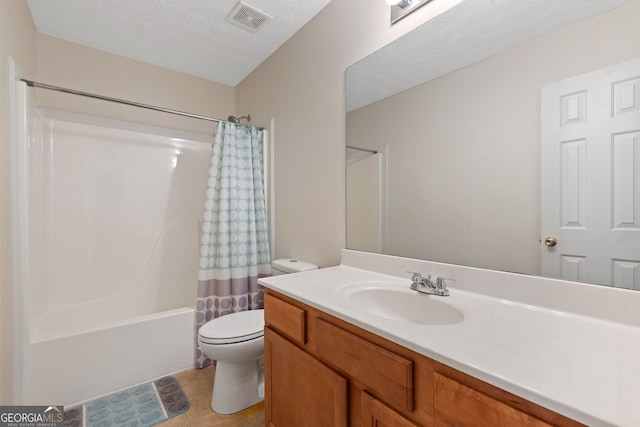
234	244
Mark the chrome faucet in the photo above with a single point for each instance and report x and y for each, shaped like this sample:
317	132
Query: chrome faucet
427	286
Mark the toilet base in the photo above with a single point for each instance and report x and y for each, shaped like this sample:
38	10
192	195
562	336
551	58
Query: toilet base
237	386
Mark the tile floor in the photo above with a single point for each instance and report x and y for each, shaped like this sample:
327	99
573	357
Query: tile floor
197	385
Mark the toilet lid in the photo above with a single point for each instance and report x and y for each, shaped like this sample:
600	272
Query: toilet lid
234	327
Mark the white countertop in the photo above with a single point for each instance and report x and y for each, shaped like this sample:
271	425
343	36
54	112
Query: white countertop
584	367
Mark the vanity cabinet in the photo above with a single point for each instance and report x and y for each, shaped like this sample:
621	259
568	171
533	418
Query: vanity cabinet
323	371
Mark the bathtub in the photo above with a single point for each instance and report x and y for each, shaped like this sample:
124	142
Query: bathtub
109	253
73	369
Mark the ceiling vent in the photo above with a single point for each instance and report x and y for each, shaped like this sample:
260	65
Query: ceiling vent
248	17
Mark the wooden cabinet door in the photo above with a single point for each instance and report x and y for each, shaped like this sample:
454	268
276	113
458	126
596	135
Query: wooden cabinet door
457	405
377	414
299	390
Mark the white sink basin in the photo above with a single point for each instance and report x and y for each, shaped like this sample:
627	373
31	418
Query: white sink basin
397	302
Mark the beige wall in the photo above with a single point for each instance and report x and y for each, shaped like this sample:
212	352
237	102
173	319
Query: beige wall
466	147
17	40
302	87
66	64
365	192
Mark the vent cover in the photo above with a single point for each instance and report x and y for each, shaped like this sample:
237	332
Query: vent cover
248	17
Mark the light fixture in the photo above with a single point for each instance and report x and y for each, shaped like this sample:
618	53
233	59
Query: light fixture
401	8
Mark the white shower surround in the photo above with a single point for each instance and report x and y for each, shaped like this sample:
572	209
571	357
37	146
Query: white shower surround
109	248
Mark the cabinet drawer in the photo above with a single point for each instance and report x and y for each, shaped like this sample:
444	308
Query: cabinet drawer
287	319
460	406
388	375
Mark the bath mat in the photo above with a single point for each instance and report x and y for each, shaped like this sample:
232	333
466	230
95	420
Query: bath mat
143	405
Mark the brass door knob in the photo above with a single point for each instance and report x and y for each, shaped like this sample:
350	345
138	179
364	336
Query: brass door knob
550	241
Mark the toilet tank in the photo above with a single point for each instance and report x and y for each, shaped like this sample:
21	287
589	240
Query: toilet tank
290	265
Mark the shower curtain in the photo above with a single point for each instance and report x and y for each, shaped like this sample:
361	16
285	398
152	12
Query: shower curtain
234	244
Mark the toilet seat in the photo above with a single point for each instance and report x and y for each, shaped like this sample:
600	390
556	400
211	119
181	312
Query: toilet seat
233	328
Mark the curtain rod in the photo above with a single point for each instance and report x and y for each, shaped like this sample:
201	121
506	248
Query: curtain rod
31	83
362	149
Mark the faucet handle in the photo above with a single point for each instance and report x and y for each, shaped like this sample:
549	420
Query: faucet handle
441	286
441	283
416	276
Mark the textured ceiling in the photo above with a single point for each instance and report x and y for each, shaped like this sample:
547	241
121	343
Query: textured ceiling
469	32
191	36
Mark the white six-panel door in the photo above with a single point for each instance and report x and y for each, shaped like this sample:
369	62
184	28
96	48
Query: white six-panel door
591	177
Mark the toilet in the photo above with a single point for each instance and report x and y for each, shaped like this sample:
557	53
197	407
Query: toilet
290	265
236	342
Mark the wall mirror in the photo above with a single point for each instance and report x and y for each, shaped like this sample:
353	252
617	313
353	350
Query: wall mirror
495	127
